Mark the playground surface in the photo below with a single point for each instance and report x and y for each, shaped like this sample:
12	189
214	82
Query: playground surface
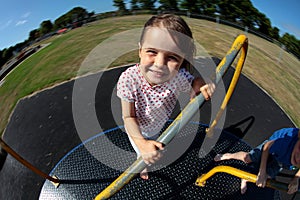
42	130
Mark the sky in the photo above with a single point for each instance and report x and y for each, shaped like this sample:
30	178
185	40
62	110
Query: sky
284	14
19	17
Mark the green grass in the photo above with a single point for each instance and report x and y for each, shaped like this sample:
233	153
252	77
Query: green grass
62	58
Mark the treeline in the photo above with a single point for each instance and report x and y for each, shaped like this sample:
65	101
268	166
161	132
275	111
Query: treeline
240	12
71	19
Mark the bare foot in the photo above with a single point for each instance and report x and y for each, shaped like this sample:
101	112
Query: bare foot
218	157
243	186
225	156
144	174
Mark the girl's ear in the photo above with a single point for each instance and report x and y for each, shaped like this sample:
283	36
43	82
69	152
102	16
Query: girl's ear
140	49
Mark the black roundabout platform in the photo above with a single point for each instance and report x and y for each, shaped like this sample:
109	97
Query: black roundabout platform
42	130
83	176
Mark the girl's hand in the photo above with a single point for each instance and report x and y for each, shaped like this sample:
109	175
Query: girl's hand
261	179
293	186
199	86
208	90
150	151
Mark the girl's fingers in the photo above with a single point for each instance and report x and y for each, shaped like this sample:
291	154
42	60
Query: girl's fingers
207	90
151	158
159	145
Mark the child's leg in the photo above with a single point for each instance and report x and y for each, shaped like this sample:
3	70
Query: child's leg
243	156
243	186
144	173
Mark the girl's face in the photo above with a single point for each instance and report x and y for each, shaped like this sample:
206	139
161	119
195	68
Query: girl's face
160	57
295	158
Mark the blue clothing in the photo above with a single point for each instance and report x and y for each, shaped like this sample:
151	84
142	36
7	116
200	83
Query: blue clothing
280	151
284	142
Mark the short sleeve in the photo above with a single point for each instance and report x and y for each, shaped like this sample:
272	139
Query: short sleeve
184	81
125	87
284	142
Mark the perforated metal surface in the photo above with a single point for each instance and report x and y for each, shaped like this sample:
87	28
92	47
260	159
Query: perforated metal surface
83	176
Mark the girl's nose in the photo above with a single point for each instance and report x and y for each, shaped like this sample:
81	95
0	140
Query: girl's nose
160	60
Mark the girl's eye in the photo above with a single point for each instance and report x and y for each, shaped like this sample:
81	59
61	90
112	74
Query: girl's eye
175	58
151	51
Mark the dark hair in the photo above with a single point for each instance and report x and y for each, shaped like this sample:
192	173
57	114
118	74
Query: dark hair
174	23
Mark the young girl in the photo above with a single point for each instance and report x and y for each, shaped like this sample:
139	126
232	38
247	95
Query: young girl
149	90
283	147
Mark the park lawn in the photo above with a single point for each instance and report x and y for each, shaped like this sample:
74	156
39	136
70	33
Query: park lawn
276	71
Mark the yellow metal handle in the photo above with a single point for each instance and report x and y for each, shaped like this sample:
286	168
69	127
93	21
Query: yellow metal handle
201	181
241	42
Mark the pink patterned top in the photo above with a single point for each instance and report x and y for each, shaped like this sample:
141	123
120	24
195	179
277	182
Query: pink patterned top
153	104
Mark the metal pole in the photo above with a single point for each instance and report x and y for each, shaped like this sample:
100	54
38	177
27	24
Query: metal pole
234	80
201	181
14	154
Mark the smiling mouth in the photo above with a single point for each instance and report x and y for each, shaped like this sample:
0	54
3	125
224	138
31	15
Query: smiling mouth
157	73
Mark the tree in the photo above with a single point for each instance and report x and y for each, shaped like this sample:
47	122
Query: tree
7	53
189	5
120	5
264	24
74	15
229	11
2	61
247	13
291	43
209	8
169	5
275	33
78	14
134	5
147	4
34	34
46	27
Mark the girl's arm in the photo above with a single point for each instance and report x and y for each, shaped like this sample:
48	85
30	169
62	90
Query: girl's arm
262	174
147	148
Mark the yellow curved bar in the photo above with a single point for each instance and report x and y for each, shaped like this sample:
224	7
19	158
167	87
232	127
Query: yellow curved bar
241	42
201	181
